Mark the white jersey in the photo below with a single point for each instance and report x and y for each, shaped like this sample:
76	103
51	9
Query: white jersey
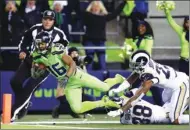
145	113
163	75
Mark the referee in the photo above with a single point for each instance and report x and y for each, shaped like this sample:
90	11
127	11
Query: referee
24	93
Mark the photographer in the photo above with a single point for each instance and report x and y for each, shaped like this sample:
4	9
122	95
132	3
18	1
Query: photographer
80	61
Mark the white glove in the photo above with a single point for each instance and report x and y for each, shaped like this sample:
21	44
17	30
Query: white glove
112	92
115	113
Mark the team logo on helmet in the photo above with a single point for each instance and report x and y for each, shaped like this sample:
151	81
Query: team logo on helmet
138	60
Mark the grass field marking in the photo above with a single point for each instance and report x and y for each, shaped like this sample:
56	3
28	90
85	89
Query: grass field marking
66	122
61	127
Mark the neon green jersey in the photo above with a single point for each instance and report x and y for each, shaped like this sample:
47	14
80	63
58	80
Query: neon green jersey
145	43
53	61
181	33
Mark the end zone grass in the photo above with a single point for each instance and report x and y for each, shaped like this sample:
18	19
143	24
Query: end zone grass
91	122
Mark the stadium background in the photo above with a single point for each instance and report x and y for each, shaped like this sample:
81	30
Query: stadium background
166	50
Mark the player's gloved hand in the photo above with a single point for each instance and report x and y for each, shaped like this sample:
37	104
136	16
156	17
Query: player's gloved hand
112	92
64	81
115	113
36	72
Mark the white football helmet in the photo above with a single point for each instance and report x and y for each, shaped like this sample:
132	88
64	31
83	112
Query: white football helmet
139	60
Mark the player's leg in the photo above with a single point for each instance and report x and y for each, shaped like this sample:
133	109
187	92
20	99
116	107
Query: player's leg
74	97
18	79
178	101
90	81
60	96
28	90
16	82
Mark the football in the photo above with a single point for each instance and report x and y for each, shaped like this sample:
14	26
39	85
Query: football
40	65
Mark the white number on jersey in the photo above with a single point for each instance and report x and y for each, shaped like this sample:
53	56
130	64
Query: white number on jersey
141	114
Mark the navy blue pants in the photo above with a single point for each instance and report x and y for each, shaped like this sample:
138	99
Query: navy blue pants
100	54
184	66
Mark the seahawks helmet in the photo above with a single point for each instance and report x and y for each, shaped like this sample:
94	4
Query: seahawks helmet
43	42
139	60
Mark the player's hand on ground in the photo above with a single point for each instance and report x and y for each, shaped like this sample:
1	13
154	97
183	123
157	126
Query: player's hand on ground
64	81
22	55
115	113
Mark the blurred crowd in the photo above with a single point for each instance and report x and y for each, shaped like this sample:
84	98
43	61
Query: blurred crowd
85	16
18	16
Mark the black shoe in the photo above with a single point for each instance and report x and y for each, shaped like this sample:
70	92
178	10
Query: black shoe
74	115
24	111
55	112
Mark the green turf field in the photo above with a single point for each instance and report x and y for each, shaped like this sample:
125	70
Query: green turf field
91	122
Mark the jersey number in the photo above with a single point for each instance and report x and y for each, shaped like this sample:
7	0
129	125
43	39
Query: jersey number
164	70
141	111
59	70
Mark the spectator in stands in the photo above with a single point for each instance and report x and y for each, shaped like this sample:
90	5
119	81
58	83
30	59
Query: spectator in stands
144	40
183	33
41	4
61	20
12	25
95	18
31	13
137	10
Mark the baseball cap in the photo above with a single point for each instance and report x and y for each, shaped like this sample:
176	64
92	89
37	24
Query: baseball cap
49	14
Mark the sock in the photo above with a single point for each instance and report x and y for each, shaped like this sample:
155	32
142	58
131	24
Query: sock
63	103
62	99
183	119
87	105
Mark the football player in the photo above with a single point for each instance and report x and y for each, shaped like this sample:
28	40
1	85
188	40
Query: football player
70	78
163	76
142	112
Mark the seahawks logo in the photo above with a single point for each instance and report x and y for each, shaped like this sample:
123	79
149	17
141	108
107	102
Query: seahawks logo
49	13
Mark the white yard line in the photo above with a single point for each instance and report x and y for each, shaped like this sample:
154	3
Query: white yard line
65	122
61	127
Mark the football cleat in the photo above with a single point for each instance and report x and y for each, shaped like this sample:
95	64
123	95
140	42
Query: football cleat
109	103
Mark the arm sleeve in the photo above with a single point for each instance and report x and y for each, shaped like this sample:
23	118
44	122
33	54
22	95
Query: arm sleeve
116	12
149	44
128	9
172	23
63	39
26	40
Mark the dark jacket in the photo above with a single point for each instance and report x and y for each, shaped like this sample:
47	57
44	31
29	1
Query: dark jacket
32	18
96	24
11	29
